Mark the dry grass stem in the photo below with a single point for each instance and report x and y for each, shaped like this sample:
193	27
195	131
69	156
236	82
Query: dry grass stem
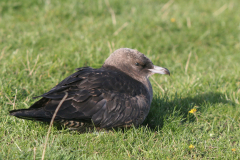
15	99
189	22
158	85
220	10
166	5
186	67
51	123
17	145
120	29
111	12
28	63
2	53
34	153
111	47
11	103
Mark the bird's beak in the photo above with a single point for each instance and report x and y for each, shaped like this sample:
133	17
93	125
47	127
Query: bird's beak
159	70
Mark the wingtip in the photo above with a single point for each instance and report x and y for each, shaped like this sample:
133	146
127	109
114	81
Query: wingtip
17	113
13	112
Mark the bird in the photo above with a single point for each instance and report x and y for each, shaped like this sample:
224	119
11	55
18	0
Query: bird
117	95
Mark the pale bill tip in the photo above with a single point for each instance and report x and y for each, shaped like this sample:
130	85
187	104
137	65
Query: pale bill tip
160	70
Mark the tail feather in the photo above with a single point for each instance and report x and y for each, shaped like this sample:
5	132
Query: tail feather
32	114
43	110
35	112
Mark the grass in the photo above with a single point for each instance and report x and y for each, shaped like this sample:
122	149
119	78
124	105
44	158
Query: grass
42	42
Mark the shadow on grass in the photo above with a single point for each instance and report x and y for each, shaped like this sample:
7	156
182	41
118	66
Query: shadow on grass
163	108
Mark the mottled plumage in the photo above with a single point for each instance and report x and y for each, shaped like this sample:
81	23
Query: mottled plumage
118	94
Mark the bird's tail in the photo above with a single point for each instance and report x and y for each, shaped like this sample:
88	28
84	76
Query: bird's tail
31	114
35	112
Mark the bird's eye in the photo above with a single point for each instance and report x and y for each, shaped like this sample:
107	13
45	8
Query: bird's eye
137	64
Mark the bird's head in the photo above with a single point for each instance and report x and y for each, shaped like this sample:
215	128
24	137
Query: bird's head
133	63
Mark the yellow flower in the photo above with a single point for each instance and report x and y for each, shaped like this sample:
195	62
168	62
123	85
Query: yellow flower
192	110
191	146
173	20
234	149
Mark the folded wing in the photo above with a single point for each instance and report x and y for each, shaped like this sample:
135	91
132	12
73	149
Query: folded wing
105	97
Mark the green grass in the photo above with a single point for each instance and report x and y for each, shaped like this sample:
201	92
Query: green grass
43	41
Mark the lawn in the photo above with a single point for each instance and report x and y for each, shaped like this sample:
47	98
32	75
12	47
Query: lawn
43	41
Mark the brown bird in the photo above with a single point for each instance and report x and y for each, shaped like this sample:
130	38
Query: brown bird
118	94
